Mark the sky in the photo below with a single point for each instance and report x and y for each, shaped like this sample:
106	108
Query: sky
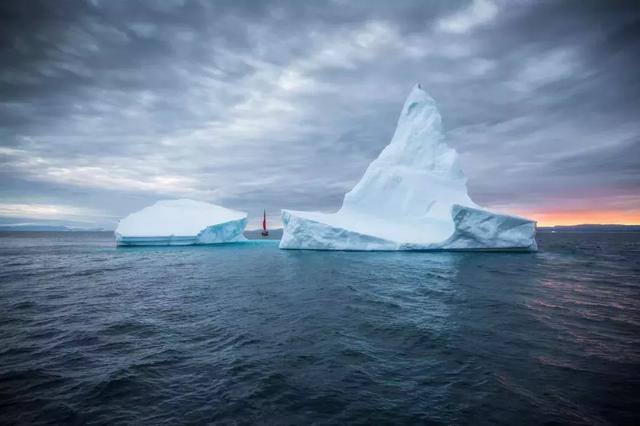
109	106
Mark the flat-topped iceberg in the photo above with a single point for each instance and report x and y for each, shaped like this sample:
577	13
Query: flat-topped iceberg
412	197
181	222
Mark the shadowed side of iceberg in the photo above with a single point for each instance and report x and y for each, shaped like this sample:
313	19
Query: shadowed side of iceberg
482	230
227	232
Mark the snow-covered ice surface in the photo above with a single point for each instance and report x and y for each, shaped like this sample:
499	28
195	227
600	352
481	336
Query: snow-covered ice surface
181	222
412	197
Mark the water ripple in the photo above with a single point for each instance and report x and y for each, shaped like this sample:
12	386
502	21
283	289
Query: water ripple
250	334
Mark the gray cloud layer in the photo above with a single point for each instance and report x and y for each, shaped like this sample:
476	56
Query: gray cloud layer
106	106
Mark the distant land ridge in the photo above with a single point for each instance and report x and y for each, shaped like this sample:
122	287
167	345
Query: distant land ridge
276	234
45	228
590	228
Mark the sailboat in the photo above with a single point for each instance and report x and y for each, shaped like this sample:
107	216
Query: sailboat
265	233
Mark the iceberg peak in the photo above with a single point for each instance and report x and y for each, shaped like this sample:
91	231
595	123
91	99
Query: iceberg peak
418	173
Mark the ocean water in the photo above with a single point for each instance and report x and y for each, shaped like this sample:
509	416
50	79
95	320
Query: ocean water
247	333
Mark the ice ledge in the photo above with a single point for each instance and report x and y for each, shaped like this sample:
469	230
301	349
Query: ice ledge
302	233
474	230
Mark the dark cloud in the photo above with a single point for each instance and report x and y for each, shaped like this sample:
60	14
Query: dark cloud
106	106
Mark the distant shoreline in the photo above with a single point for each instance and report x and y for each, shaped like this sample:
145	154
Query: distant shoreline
276	234
590	228
255	234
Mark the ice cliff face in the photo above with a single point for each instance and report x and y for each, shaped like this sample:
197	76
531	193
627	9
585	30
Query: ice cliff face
412	197
181	222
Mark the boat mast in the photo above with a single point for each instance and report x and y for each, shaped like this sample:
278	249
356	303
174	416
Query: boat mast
265	233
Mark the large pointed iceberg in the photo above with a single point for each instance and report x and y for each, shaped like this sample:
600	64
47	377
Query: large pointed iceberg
412	197
181	222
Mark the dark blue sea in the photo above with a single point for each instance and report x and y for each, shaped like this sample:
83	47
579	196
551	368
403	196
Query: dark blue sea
249	334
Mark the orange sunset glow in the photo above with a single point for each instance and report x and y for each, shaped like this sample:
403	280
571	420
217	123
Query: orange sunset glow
578	217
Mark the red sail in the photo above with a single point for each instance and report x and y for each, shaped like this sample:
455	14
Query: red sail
264	221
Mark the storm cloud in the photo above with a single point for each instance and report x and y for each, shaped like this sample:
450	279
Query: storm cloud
107	106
